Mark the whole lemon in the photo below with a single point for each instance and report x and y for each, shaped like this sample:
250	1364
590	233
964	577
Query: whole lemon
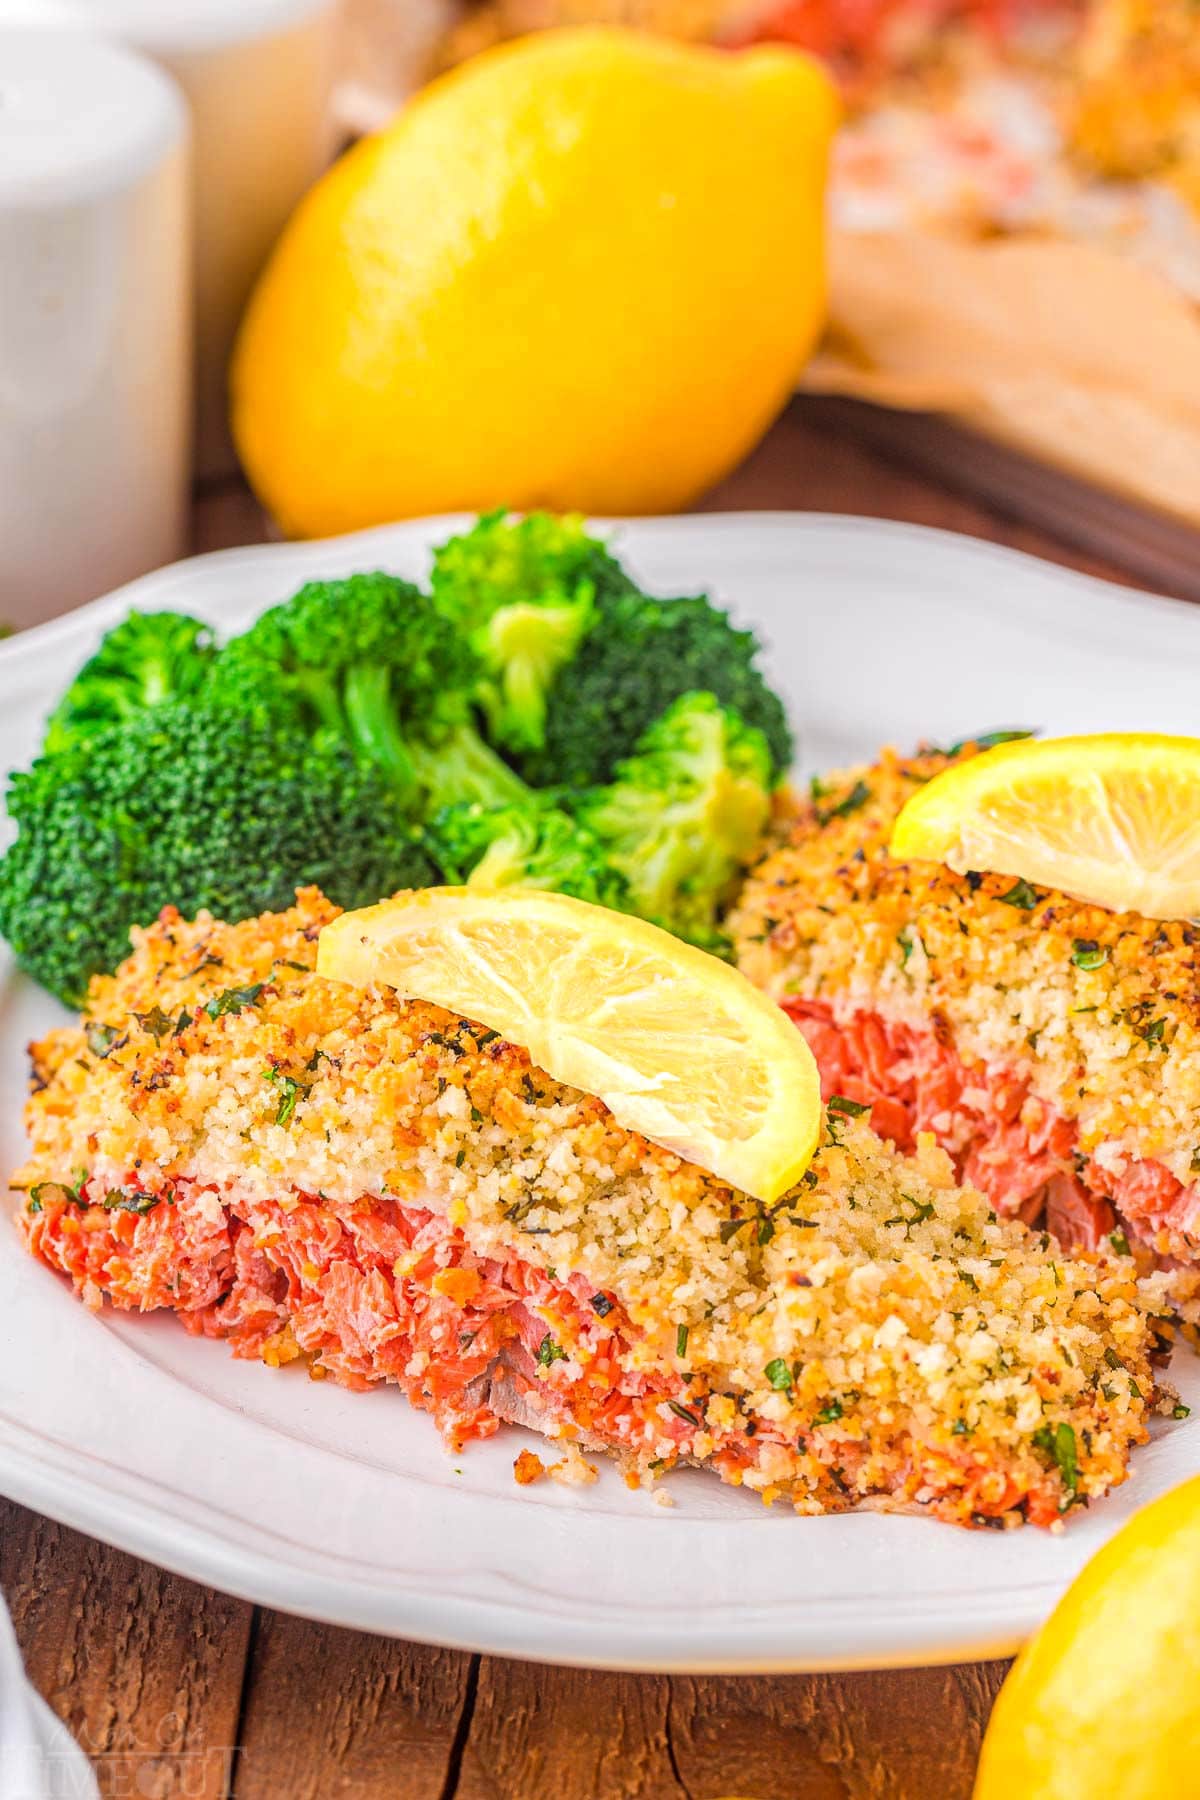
580	272
1104	1701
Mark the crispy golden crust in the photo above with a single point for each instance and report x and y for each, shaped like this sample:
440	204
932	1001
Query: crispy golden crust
1100	1011
887	1337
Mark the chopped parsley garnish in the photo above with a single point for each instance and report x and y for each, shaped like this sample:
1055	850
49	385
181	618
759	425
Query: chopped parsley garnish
1021	895
1153	1032
681	1412
779	1375
829	1413
988	740
839	1105
966	1275
234	1000
730	1227
959	1428
601	1305
1180	1411
100	1038
681	1338
858	796
118	1200
1059	1442
156	1022
908	941
921	1210
1112	1359
290	1091
550	1352
1119	1242
74	1195
1088	954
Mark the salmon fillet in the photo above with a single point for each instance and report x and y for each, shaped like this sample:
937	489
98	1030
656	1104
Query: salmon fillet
1051	1047
382	1191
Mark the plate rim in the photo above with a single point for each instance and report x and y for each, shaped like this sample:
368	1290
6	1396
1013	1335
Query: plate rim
37	1471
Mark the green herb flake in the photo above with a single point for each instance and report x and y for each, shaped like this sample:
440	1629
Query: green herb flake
857	798
730	1228
908	941
550	1352
959	1428
1119	1242
234	1000
829	1413
988	740
1020	895
119	1200
681	1338
290	1091
101	1039
156	1023
1180	1411
853	1109
681	1412
779	1375
1059	1442
1112	1359
1088	954
921	1211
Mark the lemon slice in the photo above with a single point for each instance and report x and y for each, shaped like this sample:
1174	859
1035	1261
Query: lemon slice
678	1045
1113	819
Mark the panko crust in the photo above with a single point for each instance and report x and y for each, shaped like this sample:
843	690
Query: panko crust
878	1336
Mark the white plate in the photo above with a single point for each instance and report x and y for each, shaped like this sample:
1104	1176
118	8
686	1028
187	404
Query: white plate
344	1506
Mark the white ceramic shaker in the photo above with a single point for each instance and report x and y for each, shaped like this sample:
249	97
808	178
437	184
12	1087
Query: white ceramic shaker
257	75
95	339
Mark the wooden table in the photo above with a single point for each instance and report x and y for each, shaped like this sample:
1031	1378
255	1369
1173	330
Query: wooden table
178	1691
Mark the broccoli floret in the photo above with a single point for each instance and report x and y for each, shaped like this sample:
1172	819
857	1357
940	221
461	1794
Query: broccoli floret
460	769
368	658
524	591
640	655
194	806
146	659
684	814
525	845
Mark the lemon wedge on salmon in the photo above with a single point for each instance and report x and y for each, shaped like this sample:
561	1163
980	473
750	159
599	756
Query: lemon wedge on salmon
678	1045
1113	819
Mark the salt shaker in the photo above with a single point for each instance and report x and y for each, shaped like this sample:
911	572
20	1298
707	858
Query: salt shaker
95	338
257	76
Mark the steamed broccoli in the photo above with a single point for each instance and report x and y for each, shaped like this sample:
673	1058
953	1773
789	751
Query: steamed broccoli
525	845
146	659
524	591
684	813
638	656
195	806
367	658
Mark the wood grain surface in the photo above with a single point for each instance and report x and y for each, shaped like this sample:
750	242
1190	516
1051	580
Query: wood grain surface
176	1691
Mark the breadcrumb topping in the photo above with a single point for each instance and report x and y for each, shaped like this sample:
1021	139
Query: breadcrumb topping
1098	1011
877	1337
